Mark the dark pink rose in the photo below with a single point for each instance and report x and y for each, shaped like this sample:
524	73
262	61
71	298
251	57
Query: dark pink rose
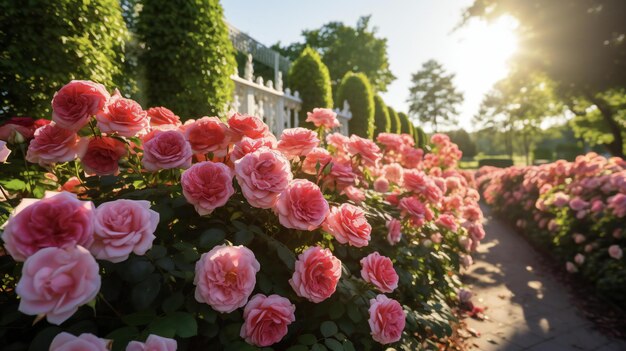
166	150
347	223
387	319
207	186
416	210
102	156
317	156
381	184
263	175
447	221
245	125
77	102
340	176
68	342
316	274
296	142
208	135
17	130
394	235
301	205
123	116
367	149
323	117
54	144
378	270
266	319
162	116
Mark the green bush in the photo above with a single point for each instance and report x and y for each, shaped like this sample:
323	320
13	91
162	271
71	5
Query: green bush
495	162
356	89
382	122
45	44
188	58
309	76
420	137
396	124
405	123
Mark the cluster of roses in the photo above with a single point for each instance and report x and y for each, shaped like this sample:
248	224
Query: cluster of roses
59	236
580	204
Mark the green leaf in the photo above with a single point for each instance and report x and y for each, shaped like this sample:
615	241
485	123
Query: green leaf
353	312
298	348
307	339
333	344
173	302
145	292
243	237
211	237
337	309
135	269
139	318
318	347
122	336
328	328
165	327
156	252
348	345
43	339
14	185
186	324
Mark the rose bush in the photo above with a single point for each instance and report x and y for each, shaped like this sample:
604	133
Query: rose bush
573	209
215	235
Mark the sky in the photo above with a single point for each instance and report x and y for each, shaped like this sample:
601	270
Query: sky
416	31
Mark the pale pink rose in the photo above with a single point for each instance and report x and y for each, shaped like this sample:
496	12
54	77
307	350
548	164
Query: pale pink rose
394	235
416	210
387	319
318	157
436	237
340	176
579	238
246	125
338	141
597	206
162	116
465	243
121	227
266	319
394	173
617	233
301	205
571	267
153	343
102	156
207	186
353	193
589	248
381	184
348	225
617	203
615	252
247	145
466	261
553	226
58	220
579	259
316	274
475	229
209	135
411	157
560	199
166	150
578	204
4	151
368	150
378	270
391	141
122	116
323	117
296	142
53	144
464	295
75	103
447	221
263	175
56	281
86	341
225	277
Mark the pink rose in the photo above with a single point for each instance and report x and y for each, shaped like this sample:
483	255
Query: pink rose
4	151
296	142
86	341
381	184
378	270
162	116
56	281
263	175
394	235
347	223
208	134
58	220
369	151
121	227
387	319
394	173
301	205
615	252
323	117
245	125
466	261
340	176
122	116
338	141
353	193
464	295
266	319
247	145
207	186
416	210
73	185
579	259
447	221
102	156
166	150
17	130
617	203
391	141
317	156
578	204
316	275
76	102
571	267
54	144
225	277
153	343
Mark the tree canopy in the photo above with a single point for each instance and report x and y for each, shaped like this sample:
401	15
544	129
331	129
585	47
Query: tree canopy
462	138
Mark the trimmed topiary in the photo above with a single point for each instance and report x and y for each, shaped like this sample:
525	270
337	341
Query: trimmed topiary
396	125
309	76
188	57
382	122
356	89
405	124
45	44
420	137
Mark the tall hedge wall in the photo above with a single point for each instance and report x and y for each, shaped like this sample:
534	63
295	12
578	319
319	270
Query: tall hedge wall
188	58
396	124
356	89
420	137
45	44
405	123
309	76
382	122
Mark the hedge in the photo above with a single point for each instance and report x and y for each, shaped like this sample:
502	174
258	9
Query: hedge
396	125
356	89
382	122
309	76
420	137
405	123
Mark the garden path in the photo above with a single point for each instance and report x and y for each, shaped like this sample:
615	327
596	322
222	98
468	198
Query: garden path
527	308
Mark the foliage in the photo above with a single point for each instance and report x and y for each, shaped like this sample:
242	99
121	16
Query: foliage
347	49
382	122
405	124
464	141
421	139
355	88
45	44
433	97
309	76
396	124
188	58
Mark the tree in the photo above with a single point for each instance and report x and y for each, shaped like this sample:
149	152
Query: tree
464	142
578	44
46	44
188	58
433	97
347	49
355	88
405	123
393	115
382	122
309	76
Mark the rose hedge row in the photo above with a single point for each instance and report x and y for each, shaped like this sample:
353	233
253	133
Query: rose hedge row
125	228
576	210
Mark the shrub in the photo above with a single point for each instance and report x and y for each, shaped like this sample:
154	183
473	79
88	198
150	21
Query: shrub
405	124
495	162
44	44
188	58
355	88
421	139
309	76
382	121
396	124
